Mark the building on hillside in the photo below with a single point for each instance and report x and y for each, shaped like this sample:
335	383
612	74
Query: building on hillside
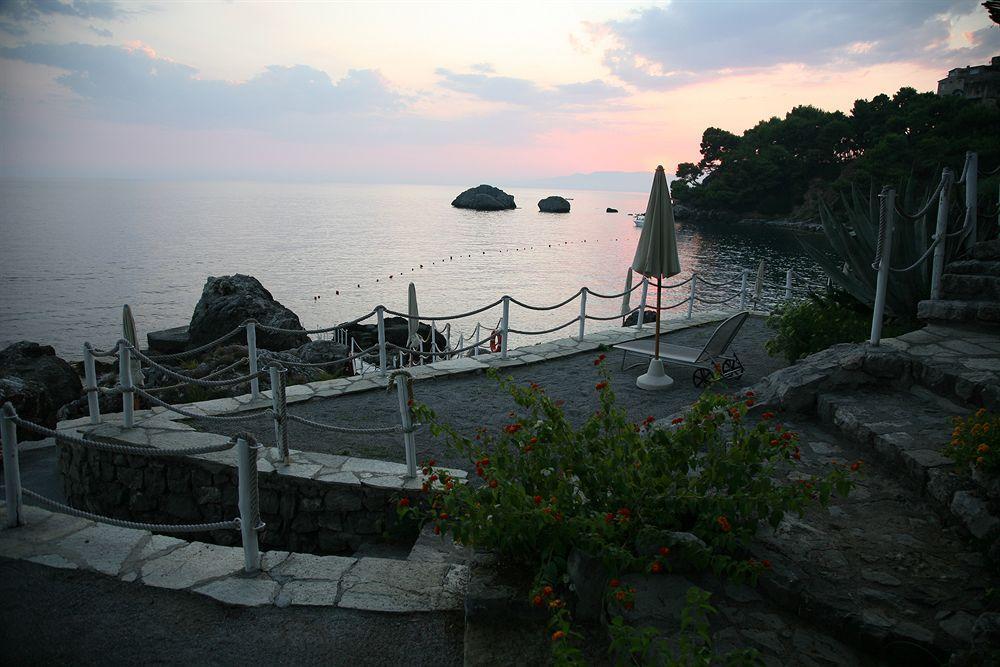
978	82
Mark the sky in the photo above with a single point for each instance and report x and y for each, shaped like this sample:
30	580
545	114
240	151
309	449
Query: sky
427	92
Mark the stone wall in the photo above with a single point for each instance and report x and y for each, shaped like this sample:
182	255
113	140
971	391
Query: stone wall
305	515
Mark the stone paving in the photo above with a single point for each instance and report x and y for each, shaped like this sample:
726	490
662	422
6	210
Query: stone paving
426	583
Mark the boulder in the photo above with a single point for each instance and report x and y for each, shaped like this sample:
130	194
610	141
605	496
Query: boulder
633	318
396	333
37	382
227	301
612	210
553	204
484	198
319	351
168	341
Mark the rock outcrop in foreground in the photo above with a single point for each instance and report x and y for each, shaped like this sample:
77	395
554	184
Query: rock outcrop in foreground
484	198
37	383
227	301
553	204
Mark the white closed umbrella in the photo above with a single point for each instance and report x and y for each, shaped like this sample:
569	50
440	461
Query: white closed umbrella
656	257
129	334
412	320
758	287
626	305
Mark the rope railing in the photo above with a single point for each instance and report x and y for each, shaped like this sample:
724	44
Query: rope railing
229	419
320	364
342	325
545	331
197	350
243	379
562	303
355	430
248	522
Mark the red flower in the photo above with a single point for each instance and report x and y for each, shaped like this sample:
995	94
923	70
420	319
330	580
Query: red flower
598	360
624	512
527	449
609	517
723	524
480	471
410	402
614	583
656	567
547	591
432	462
677	420
538	500
437	529
533	440
493	484
404	502
600	385
787	435
749	402
512	428
433	478
537	600
766	563
775	443
797	455
750	394
664	551
444	515
768	415
629	605
856	465
557	635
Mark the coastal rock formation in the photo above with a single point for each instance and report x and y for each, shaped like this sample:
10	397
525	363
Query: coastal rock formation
484	198
612	210
633	318
168	341
37	383
553	204
396	333
319	351
226	301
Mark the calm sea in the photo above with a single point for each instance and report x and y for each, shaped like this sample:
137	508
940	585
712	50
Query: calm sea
74	251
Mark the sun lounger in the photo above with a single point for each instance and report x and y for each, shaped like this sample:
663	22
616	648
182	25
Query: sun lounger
705	360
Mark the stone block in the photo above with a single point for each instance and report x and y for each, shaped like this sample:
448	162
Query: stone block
241	592
975	515
345	499
191	565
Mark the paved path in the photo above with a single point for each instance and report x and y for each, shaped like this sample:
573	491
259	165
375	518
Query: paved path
473	400
69	617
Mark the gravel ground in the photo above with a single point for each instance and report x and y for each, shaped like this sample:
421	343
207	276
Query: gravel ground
64	617
473	400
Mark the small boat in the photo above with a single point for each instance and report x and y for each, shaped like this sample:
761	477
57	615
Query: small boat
639	218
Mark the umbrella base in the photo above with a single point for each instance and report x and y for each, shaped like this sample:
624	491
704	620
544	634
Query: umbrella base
654	378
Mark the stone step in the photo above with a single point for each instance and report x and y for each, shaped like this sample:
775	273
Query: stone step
879	569
907	431
965	286
982	312
987	250
973	267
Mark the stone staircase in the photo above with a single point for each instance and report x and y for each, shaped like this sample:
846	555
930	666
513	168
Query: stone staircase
970	288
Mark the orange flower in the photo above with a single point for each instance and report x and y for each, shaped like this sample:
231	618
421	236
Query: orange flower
856	465
767	415
538	500
600	385
493	484
677	420
537	600
664	551
557	635
620	596
547	590
982	449
656	567
723	523
404	502
614	583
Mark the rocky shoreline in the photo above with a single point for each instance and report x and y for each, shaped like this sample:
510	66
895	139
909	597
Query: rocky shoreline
684	213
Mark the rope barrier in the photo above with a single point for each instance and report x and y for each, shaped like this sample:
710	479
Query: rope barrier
243	379
615	296
945	178
619	316
558	305
266	327
447	317
239	362
374	430
194	351
250	416
539	333
709	302
722	284
102	353
320	364
121	523
115	447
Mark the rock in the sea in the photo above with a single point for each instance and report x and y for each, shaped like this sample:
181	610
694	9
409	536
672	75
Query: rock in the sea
227	301
37	383
319	351
484	198
168	341
633	318
612	210
553	204
396	333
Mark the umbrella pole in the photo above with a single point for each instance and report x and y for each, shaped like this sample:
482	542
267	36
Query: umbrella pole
656	345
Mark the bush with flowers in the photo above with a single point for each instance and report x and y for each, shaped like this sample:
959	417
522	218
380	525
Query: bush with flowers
975	440
619	491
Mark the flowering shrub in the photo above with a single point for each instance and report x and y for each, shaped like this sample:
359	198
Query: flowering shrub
976	440
620	491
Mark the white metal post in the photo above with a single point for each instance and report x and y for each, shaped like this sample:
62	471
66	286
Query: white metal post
434	338
279	407
406	419
11	470
251	327
90	377
249	505
583	313
694	284
889	202
642	304
743	289
475	339
944	206
380	311
125	380
504	326
788	285
971	196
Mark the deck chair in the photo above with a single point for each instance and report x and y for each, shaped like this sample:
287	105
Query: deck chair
705	360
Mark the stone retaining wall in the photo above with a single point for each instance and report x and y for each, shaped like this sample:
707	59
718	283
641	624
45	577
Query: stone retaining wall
304	515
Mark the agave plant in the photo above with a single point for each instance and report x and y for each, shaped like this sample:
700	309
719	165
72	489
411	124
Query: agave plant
854	237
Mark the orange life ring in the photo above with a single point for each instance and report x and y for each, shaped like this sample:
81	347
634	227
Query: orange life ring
496	341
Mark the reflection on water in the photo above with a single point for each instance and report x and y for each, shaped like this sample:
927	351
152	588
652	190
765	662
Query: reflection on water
74	251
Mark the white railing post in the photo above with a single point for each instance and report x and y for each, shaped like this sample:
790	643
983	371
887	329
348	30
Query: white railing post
251	327
642	304
279	406
434	340
972	197
90	377
11	469
125	380
788	285
583	313
380	311
694	289
944	207
406	419
743	289
475	339
504	327
888	197
249	503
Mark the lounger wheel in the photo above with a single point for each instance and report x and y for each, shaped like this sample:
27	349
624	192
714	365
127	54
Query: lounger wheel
732	369
701	377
